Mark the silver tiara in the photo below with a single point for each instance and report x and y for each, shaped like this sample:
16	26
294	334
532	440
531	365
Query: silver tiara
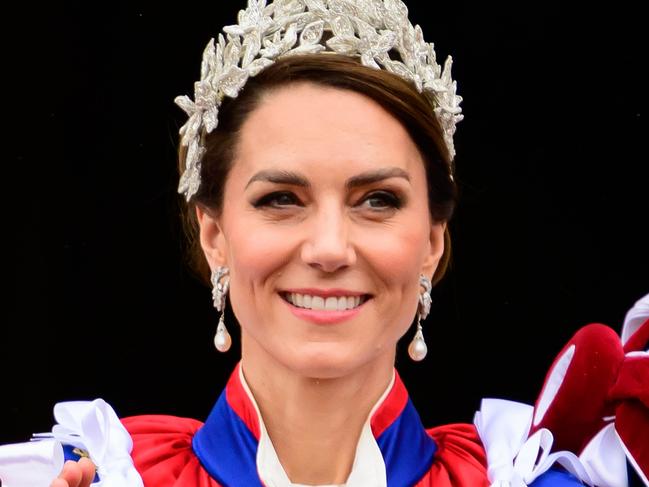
370	29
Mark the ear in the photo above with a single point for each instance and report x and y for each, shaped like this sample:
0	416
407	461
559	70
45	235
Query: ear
435	249
212	239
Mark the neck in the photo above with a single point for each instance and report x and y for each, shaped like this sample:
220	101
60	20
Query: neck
314	423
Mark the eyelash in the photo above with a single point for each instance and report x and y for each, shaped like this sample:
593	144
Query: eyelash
392	200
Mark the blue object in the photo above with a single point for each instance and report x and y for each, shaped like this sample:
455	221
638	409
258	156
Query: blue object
556	478
70	454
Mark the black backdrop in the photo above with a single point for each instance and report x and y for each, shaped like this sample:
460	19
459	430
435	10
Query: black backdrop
548	237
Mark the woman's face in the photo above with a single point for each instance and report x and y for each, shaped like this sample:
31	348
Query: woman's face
327	191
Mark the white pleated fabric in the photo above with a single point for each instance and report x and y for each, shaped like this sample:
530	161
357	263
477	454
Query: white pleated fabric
516	459
92	426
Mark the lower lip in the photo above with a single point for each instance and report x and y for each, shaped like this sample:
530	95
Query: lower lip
324	317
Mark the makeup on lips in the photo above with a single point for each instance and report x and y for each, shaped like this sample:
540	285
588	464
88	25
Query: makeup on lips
324	306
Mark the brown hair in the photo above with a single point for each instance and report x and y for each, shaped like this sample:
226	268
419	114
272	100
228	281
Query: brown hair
398	96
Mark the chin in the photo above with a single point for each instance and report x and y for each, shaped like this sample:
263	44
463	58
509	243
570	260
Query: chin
325	363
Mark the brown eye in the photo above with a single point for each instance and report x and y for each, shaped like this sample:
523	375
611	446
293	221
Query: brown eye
380	200
276	199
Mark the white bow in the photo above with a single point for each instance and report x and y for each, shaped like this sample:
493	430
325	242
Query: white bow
516	459
91	426
95	428
31	463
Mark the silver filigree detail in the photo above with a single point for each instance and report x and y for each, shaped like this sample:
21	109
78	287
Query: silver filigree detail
372	30
425	300
220	289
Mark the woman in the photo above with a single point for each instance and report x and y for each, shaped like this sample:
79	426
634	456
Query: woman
318	192
336	202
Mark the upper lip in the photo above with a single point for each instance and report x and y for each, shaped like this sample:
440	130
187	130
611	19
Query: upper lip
325	292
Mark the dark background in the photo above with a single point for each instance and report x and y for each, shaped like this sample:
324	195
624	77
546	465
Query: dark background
550	234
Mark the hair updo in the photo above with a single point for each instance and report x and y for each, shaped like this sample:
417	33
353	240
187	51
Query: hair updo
396	95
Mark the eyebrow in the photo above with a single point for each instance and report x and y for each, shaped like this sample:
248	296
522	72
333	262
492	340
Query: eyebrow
296	179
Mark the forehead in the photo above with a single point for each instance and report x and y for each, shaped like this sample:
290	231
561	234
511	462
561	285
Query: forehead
311	127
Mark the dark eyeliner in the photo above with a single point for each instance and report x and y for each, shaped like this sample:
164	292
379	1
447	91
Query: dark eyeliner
267	198
390	198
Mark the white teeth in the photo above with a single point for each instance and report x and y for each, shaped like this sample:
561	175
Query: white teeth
331	303
317	302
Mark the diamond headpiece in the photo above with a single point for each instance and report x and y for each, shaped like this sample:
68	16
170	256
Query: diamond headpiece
369	29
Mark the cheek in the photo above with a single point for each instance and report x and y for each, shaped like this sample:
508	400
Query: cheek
256	252
395	252
259	251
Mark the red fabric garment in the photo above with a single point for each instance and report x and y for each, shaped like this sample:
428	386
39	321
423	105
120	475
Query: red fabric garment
460	459
163	455
632	381
162	451
631	393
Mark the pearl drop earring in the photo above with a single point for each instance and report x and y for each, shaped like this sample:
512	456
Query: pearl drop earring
417	348
222	339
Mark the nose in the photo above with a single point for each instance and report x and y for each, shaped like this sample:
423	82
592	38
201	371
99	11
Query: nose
327	246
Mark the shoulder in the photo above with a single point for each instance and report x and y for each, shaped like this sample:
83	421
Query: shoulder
162	451
459	460
459	440
150	427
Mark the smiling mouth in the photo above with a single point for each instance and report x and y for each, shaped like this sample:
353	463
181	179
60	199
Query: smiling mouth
325	304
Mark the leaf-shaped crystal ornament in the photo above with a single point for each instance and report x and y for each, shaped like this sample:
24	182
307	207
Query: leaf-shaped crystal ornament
425	300
312	33
376	31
